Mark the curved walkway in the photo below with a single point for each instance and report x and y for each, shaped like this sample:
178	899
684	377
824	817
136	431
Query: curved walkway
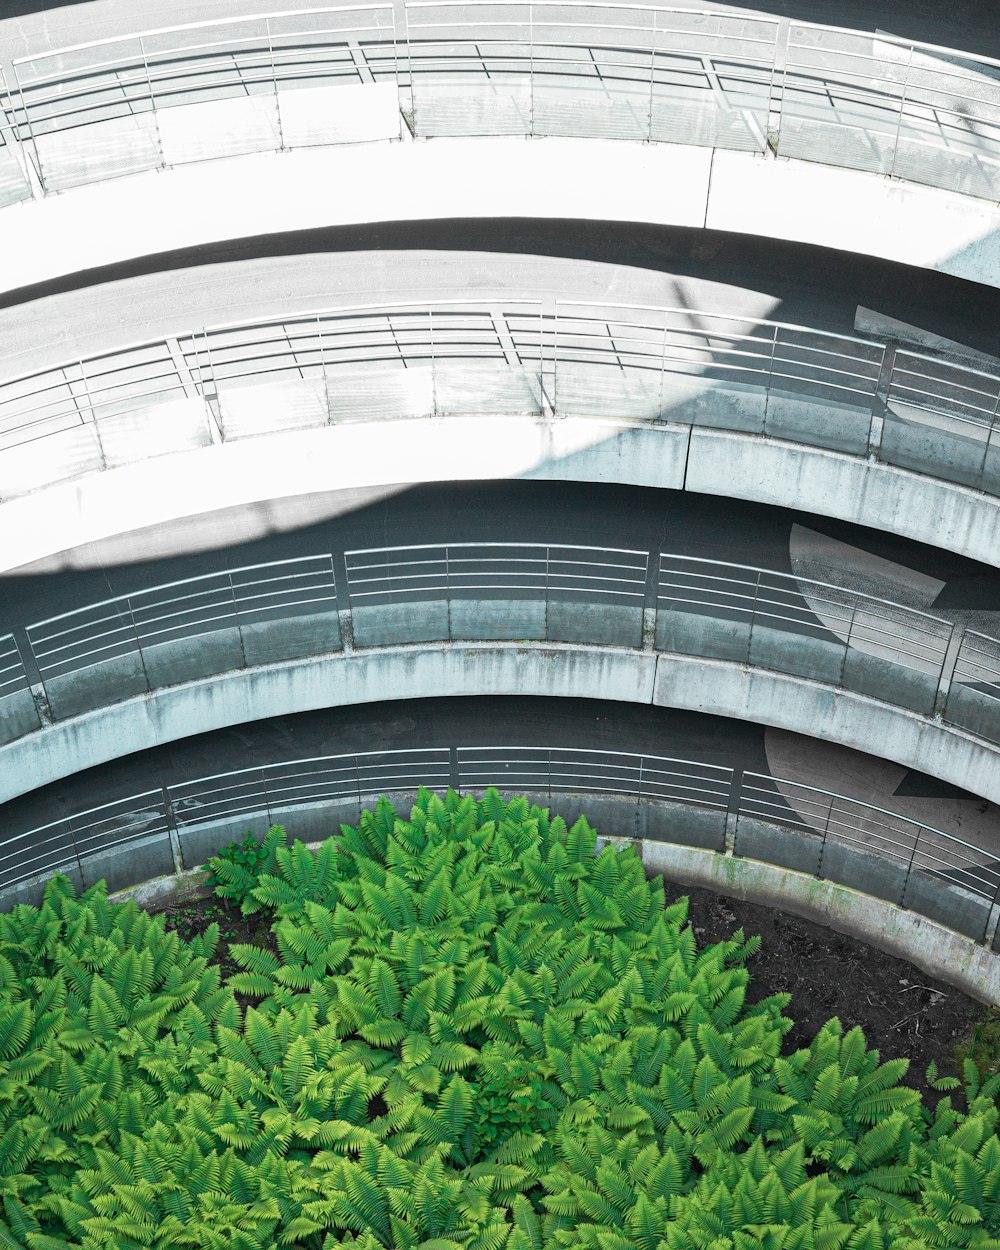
246	196
546	368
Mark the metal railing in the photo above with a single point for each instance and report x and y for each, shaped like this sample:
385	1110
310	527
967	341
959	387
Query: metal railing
869	847
500	357
203	90
167	634
472	67
770	819
802	626
575	770
392	575
105	652
13	678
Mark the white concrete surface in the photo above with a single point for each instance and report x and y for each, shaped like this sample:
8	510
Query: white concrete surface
379	455
856	212
544	669
668	184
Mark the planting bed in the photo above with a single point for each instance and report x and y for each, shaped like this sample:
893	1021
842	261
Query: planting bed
901	1011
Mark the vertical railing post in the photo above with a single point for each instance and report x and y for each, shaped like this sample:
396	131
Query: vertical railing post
138	641
772	122
93	415
430	334
152	102
753	614
663	366
210	387
818	874
847	642
770	377
989	440
899	116
731	818
880	401
274	85
236	617
267	795
447	588
949	663
652	74
531	70
173	830
30	129
909	869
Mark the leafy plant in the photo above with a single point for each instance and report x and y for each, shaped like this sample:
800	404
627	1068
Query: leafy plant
237	869
475	1034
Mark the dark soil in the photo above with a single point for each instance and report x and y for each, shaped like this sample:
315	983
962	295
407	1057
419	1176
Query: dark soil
902	1012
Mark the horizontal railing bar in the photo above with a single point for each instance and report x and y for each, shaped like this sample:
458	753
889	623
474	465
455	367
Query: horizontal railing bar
222	21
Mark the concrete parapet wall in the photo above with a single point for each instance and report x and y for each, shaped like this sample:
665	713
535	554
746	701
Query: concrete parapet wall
501	177
582	449
546	669
938	951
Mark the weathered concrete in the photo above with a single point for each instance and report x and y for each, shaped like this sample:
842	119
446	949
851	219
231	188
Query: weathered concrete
288	464
496	668
934	949
244	196
848	718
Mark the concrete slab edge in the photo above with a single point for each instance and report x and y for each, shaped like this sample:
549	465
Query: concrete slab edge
549	669
671	184
658	455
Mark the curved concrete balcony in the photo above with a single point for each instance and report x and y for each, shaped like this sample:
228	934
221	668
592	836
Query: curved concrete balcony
500	368
732	121
706	824
483	618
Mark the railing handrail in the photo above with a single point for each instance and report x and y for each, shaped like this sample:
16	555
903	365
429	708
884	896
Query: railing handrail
809	581
218	21
485	302
899	40
364	551
725	797
353	755
949	362
868	807
183	581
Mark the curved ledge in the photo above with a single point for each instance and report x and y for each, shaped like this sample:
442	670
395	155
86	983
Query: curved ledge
241	197
934	949
546	669
580	449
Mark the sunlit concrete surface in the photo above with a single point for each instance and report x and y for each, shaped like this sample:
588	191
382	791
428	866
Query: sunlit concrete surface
42	333
380	454
549	178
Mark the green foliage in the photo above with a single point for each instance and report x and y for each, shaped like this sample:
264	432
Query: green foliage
238	868
982	1046
477	1033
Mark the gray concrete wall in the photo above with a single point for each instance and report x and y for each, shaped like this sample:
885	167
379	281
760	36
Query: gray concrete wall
546	669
